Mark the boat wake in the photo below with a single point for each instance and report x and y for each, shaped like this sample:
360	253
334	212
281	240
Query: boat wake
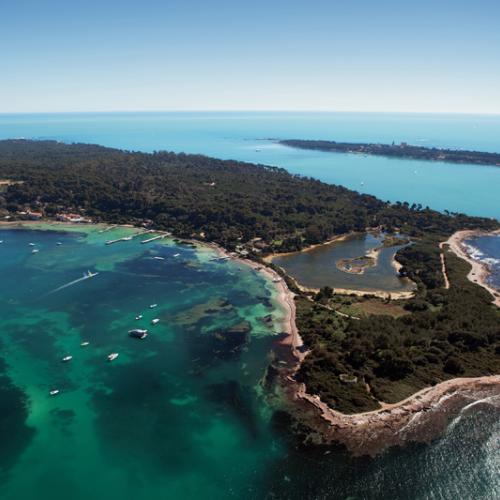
85	276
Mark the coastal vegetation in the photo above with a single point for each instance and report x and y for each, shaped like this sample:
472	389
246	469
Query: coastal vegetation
445	333
402	150
353	363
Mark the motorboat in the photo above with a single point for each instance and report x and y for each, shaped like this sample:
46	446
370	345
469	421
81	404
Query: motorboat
85	344
54	392
176	254
35	250
112	356
31	244
158	258
67	358
155	321
137	333
152	306
138	317
89	274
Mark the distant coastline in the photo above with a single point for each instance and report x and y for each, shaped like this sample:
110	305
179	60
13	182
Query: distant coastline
402	150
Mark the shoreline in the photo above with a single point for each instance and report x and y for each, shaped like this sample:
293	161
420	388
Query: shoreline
364	433
418	418
480	271
341	237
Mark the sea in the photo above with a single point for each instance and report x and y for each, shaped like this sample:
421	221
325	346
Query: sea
182	413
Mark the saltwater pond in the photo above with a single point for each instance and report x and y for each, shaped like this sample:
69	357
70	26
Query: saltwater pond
319	266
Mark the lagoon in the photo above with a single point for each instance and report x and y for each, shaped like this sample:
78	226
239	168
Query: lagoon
318	267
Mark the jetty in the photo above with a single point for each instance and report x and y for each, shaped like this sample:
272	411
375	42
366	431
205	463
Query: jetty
225	257
154	238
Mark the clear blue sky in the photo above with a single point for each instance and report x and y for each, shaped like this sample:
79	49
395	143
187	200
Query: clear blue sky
346	55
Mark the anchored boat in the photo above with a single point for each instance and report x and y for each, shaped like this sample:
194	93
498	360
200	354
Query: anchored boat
137	333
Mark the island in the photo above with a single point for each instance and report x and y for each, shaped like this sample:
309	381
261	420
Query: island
401	150
354	368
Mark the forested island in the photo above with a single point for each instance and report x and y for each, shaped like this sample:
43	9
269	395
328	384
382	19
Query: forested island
402	150
384	351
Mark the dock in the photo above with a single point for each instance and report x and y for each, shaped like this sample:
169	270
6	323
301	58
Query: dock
154	238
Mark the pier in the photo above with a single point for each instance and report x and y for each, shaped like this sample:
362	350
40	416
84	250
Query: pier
154	238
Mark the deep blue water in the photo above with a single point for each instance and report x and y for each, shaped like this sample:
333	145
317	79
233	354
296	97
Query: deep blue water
244	136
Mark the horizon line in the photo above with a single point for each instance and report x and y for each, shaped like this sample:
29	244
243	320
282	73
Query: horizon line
229	111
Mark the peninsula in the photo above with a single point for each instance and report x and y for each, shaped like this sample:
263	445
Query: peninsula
402	150
353	355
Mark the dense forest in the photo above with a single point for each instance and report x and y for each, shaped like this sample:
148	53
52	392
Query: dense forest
227	201
446	333
442	333
401	150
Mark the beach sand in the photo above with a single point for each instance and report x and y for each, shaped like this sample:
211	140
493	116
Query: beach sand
480	271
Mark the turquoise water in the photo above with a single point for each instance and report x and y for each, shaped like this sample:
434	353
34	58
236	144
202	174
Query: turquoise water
180	414
243	136
317	268
175	414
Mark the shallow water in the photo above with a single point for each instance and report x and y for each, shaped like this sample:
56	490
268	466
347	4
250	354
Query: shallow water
181	414
317	268
166	419
472	189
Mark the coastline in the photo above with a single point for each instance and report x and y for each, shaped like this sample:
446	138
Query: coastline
480	272
420	417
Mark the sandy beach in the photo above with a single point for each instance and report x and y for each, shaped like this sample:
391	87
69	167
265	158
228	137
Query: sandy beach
480	271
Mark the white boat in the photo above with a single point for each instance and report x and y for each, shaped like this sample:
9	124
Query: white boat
85	344
58	243
159	258
1	241
67	358
138	317
112	356
176	254
152	306
35	250
54	392
155	321
31	244
138	333
89	274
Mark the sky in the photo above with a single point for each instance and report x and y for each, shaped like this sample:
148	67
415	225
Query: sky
337	55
